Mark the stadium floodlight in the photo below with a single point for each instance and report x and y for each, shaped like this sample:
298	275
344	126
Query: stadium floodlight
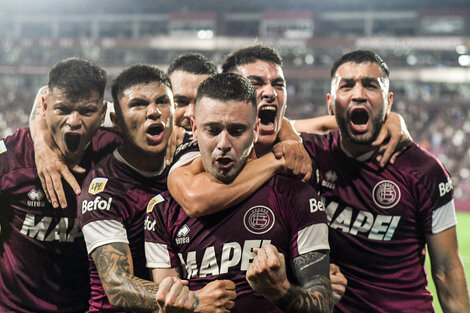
461	49
464	60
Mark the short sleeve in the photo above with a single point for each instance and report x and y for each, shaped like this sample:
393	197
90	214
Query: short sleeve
99	212
159	252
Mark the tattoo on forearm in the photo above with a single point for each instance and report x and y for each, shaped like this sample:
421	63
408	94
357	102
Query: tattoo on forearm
314	293
313	299
37	107
124	290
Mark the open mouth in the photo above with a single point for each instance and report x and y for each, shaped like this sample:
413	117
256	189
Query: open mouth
267	114
224	162
359	119
72	141
155	130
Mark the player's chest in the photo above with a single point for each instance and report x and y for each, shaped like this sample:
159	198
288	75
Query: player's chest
362	202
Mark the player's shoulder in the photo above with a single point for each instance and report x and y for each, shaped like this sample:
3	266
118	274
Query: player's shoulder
290	187
162	205
319	141
419	162
105	140
104	178
17	150
186	147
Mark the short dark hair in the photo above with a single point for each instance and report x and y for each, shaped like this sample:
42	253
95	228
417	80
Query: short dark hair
194	63
360	56
77	78
251	55
135	75
227	87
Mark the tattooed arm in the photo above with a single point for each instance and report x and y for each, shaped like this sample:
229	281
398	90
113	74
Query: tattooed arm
267	275
126	291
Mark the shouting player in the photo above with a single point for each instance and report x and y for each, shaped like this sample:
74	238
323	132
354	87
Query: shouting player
277	238
43	263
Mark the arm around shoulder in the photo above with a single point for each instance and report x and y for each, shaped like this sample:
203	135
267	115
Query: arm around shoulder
199	193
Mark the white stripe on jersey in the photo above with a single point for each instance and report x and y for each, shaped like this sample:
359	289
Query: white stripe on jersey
103	232
185	159
312	238
444	217
157	255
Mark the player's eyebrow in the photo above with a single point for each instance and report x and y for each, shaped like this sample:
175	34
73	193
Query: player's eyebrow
255	77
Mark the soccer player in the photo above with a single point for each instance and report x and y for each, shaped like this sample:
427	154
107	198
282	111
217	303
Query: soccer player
187	72
189	184
119	190
381	220
43	260
282	222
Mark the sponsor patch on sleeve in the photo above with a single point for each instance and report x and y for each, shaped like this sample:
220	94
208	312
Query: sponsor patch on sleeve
155	200
97	185
3	148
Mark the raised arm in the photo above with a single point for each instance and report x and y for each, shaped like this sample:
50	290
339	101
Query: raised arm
200	194
267	275
50	165
126	291
448	272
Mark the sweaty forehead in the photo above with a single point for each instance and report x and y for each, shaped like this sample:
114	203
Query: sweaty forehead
266	70
57	95
184	82
351	70
150	90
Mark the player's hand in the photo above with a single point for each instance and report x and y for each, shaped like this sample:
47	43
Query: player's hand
51	168
338	283
217	296
297	160
267	273
174	296
392	140
176	138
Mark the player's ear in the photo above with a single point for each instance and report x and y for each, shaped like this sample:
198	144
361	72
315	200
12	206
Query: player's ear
115	120
103	111
390	102
255	129
329	100
44	104
194	127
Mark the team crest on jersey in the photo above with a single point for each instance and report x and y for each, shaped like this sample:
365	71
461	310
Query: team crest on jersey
3	148
155	200
386	194
259	219
97	185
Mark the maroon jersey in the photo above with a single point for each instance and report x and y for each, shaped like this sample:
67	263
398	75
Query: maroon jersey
43	260
378	220
284	212
111	209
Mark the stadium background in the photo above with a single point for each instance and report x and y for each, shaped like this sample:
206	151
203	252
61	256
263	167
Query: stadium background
425	43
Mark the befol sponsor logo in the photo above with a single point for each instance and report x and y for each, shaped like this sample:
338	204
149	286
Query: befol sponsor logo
148	224
97	204
445	188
